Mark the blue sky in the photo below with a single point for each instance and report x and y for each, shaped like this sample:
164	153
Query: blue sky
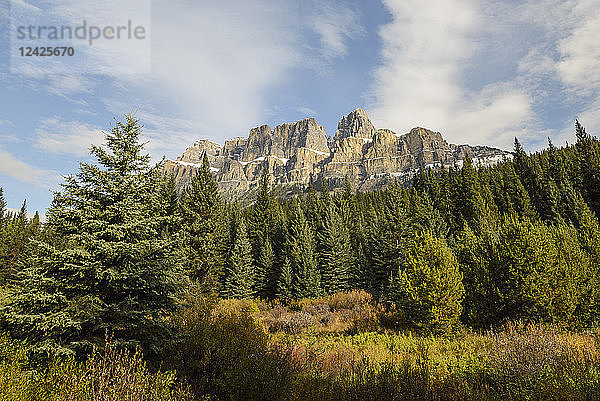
480	72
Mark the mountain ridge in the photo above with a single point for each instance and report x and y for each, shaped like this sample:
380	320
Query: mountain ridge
300	153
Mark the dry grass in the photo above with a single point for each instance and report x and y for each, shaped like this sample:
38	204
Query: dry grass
315	352
353	311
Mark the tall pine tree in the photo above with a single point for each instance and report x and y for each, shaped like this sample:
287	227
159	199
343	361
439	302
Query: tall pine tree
335	255
106	269
238	280
301	254
261	224
588	153
203	228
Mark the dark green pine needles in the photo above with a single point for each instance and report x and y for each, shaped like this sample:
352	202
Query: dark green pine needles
106	268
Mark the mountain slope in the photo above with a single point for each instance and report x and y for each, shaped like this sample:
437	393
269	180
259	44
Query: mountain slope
296	154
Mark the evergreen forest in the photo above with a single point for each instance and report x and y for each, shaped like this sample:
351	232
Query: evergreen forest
469	282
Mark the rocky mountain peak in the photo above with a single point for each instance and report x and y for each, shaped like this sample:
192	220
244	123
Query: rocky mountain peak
421	140
356	124
298	153
196	151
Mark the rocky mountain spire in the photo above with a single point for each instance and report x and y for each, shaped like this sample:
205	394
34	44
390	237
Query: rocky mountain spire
299	153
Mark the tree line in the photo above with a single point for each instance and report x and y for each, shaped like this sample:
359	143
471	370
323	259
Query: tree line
472	245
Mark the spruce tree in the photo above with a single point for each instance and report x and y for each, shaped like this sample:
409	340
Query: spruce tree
106	270
571	278
169	201
335	255
514	189
472	255
424	217
238	280
353	219
3	237
261	224
203	228
522	265
388	233
301	253
549	200
521	161
530	174
285	283
34	227
588	153
468	203
264	269
15	238
3	215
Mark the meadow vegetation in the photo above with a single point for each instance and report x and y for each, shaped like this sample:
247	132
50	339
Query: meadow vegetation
342	348
468	284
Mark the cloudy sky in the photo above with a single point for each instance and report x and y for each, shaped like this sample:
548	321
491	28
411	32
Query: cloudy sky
480	72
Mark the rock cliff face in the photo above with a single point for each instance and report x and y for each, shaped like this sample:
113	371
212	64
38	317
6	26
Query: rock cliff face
296	154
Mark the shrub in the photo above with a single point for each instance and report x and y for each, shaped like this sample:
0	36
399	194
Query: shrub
297	322
536	361
110	374
350	300
225	352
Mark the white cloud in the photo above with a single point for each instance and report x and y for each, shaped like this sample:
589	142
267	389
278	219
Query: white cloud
163	135
22	4
426	51
24	172
122	56
568	53
336	24
590	118
67	85
66	137
215	63
579	66
10	138
307	111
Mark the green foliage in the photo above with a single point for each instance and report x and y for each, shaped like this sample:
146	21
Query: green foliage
285	284
225	352
301	253
239	273
3	211
169	203
515	363
261	224
528	270
335	256
15	231
203	228
473	245
588	157
110	374
428	288
106	267
468	204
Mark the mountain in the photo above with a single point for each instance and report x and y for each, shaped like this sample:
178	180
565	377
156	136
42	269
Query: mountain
296	154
